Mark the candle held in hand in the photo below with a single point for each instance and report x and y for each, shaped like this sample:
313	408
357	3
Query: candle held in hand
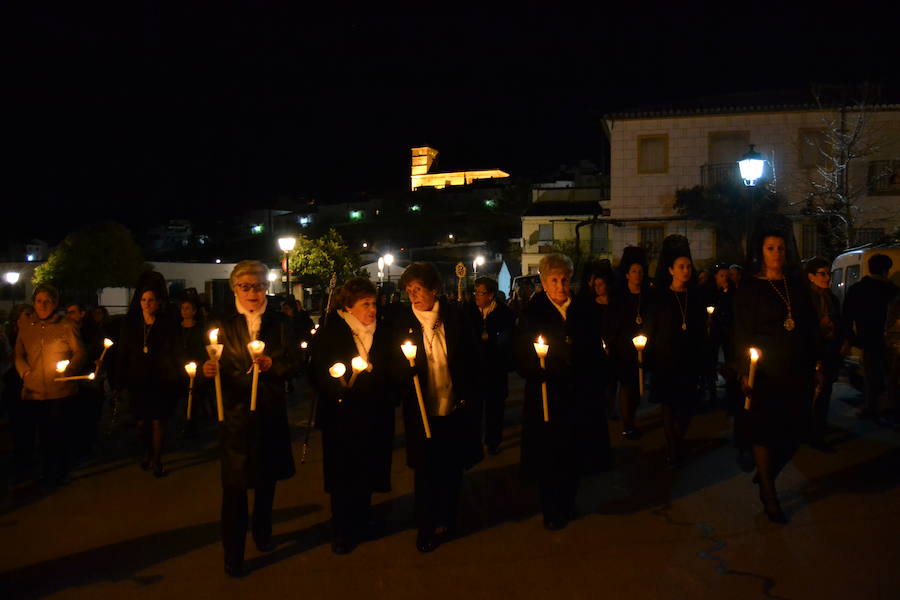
409	351
214	351
256	348
337	370
213	336
710	310
541	349
191	370
754	358
61	366
640	342
358	364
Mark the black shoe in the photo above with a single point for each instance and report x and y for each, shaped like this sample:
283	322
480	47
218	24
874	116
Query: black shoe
236	571
493	450
426	542
555	524
344	546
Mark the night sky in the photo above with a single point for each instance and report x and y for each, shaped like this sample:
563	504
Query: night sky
141	112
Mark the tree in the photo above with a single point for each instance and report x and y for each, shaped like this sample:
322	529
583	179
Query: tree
845	141
99	256
314	260
731	208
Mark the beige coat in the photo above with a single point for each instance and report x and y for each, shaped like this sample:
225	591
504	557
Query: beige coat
39	346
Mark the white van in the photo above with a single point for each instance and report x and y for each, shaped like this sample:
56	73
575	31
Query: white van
853	265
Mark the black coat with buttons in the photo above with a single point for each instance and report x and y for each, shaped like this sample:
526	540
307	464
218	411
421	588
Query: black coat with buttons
357	423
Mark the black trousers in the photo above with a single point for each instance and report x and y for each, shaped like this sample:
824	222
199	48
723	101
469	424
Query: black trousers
46	421
350	513
494	410
235	519
437	485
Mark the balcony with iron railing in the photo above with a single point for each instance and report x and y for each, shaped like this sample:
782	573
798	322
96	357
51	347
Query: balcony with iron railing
717	173
884	177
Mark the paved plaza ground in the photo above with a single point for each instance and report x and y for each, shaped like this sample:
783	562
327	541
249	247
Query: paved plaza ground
644	531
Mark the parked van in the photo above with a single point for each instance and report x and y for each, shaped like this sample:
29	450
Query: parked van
853	265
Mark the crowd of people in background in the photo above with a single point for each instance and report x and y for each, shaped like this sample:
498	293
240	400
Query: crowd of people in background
446	362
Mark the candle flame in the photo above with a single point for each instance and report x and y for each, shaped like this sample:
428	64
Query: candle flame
256	347
358	364
61	366
710	310
337	370
107	342
540	340
409	350
303	345
213	336
639	341
755	354
312	331
191	369
92	376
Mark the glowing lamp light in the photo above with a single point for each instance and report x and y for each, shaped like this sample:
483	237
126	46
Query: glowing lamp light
479	260
337	370
303	345
271	276
751	166
11	277
358	364
388	259
287	243
61	366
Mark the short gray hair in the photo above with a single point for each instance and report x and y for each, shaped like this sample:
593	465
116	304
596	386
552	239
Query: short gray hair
555	262
249	267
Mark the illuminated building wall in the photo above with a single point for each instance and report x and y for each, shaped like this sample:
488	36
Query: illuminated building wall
423	158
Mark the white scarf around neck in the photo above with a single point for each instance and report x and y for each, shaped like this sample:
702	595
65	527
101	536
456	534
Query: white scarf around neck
253	317
562	308
363	335
440	388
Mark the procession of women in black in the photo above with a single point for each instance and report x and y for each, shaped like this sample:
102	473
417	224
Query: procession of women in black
586	359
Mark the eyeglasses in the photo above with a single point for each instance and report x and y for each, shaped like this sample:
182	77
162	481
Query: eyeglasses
247	287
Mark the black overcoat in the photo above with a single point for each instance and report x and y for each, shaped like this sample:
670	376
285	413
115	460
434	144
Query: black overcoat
149	381
465	421
357	423
493	343
548	448
256	446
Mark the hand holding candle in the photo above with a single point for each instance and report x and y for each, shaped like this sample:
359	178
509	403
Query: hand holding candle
61	367
640	341
409	351
214	350
337	371
358	364
256	348
754	357
541	349
191	369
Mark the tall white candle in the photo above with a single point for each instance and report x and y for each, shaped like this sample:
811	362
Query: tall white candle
191	369
214	350
256	348
754	358
409	351
541	349
640	342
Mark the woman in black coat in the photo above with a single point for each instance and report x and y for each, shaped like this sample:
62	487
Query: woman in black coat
357	422
444	364
146	374
550	448
773	313
256	446
676	339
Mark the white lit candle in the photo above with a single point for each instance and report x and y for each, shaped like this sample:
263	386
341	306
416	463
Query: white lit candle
541	349
640	342
358	364
191	369
409	351
214	350
256	348
710	310
61	366
754	358
107	344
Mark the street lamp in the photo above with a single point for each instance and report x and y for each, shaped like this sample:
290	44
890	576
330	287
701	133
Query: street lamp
751	166
388	261
12	277
287	244
479	260
380	270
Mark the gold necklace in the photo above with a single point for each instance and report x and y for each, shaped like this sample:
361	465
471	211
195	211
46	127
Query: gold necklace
637	319
786	298
683	310
147	329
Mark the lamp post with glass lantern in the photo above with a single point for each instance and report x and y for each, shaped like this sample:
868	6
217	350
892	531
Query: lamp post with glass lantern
751	165
388	261
287	244
479	260
12	278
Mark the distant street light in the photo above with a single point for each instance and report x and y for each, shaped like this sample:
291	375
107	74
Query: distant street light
751	166
388	261
479	260
287	245
12	277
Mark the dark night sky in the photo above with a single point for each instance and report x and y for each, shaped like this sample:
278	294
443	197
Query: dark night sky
148	111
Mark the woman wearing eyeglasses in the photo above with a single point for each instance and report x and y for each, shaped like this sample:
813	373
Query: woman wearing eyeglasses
256	446
828	314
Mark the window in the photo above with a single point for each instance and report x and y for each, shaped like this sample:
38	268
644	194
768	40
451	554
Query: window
867	235
884	177
545	233
653	153
809	240
852	275
651	240
600	238
811	143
